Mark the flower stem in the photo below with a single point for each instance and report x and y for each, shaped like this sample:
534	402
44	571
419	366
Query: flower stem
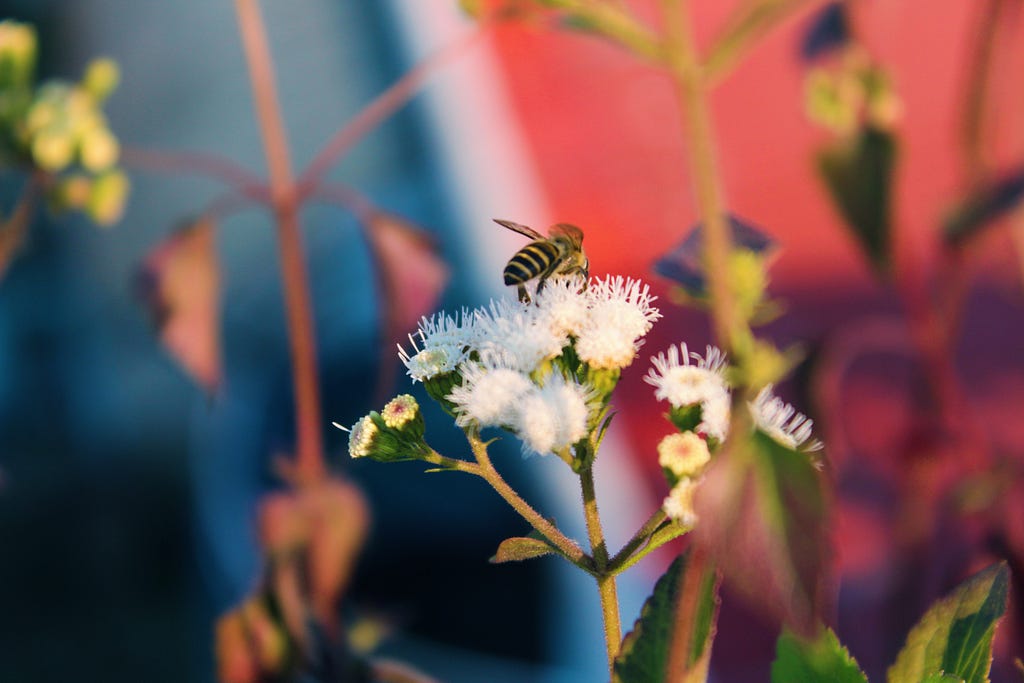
642	536
549	531
686	74
615	23
309	440
605	578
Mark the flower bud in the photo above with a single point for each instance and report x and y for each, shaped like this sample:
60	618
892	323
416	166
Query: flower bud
682	456
679	503
108	197
98	149
53	150
17	55
402	413
101	78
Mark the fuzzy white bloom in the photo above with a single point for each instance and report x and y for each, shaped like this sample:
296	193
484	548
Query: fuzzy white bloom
683	454
685	378
564	305
515	333
782	422
715	412
445	340
679	503
489	395
683	383
620	313
554	416
361	437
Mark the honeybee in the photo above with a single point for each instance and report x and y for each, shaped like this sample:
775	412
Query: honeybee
560	253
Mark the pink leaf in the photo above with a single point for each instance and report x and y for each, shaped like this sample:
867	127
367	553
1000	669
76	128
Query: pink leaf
180	283
411	275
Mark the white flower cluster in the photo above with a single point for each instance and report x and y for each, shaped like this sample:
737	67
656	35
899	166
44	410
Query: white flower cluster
505	356
684	378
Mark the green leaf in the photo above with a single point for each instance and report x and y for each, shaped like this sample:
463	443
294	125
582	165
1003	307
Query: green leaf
941	678
809	661
858	174
521	548
761	512
954	636
645	652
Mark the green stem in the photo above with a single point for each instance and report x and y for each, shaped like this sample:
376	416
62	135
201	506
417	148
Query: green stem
605	578
743	31
549	531
615	23
435	458
688	79
643	535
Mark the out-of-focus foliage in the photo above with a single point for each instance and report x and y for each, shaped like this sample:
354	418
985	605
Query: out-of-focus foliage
57	129
180	283
819	659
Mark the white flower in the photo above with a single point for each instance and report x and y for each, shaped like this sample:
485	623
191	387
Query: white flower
564	306
684	378
683	383
445	341
679	503
714	414
514	333
683	454
361	437
489	395
554	416
780	421
620	313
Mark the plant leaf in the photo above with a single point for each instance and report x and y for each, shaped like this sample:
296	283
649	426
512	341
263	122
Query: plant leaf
983	207
954	636
829	30
684	264
411	275
180	284
519	548
761	512
645	652
822	659
858	174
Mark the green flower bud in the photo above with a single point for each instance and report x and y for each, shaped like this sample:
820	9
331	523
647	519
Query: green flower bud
603	380
439	387
108	197
402	413
17	55
686	418
101	78
98	149
53	150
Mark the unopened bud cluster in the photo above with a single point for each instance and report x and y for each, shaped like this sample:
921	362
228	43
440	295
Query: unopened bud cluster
392	435
850	92
58	128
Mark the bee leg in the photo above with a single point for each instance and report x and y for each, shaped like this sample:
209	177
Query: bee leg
523	295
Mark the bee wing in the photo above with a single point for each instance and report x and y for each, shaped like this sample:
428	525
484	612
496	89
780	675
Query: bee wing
567	229
521	229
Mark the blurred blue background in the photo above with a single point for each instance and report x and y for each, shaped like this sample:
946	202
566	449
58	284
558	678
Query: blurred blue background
128	496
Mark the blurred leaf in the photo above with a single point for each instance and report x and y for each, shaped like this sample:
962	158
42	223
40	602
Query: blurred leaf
646	650
762	515
829	30
822	659
983	207
955	635
339	522
14	228
858	174
411	275
941	678
684	264
180	284
236	661
521	548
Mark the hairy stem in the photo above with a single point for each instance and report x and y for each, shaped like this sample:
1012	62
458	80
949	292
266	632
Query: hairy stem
605	578
549	531
298	307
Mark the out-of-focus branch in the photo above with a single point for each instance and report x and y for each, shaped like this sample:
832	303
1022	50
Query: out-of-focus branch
13	230
173	161
298	308
614	22
751	22
383	106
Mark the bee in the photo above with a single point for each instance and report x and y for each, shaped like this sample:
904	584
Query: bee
560	253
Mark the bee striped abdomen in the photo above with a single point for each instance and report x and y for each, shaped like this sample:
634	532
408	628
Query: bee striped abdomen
531	261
